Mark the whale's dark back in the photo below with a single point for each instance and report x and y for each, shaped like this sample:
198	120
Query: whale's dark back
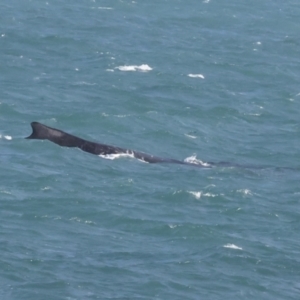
59	137
43	132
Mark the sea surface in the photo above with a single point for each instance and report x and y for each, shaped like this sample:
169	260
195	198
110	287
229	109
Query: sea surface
201	81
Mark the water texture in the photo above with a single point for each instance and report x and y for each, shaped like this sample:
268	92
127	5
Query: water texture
212	81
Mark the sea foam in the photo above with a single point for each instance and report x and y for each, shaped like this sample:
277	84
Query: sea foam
132	68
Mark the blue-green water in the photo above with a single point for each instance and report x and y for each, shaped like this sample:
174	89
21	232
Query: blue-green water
216	79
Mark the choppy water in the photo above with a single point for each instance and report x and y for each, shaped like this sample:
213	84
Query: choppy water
219	80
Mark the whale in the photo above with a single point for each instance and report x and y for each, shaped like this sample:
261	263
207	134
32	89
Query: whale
64	139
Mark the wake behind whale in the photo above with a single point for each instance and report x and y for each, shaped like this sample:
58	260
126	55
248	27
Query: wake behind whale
59	137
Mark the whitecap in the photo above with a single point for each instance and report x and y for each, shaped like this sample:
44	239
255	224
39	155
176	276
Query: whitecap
210	195
190	136
172	226
7	137
197	195
46	188
232	246
141	68
196	76
245	191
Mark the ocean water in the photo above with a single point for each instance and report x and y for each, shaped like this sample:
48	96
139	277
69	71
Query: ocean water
211	81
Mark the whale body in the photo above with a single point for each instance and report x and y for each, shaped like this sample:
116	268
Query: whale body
59	137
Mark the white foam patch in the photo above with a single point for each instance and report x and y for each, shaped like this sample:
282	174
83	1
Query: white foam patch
128	154
116	156
193	160
196	76
46	188
133	68
210	195
7	137
197	195
245	191
190	136
172	226
232	246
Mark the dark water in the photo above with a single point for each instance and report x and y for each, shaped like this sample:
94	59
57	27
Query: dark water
179	79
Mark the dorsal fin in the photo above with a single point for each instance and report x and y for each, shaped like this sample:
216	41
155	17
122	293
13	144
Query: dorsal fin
39	131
